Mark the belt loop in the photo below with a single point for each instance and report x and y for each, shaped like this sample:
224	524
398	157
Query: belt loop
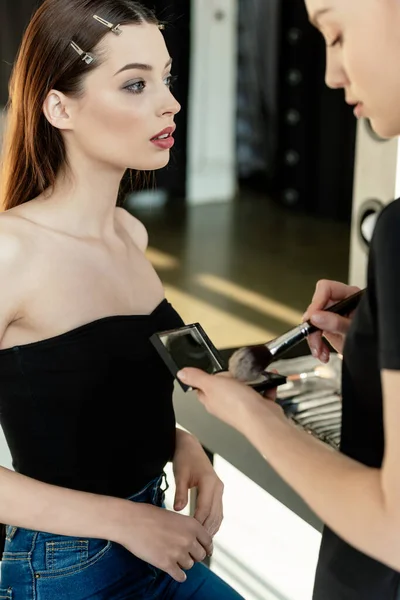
165	481
10	535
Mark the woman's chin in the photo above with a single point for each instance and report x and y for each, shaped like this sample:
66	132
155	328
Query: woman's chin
154	164
384	129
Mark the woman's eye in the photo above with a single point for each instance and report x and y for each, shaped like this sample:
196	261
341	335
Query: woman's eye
336	42
170	80
136	88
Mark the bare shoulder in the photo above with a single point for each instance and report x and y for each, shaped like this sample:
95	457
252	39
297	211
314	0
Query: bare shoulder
134	227
15	258
12	241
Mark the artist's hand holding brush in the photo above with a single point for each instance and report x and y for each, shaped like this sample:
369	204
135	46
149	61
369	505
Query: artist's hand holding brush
333	326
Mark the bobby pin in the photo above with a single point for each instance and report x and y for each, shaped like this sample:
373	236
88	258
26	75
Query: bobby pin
114	28
85	56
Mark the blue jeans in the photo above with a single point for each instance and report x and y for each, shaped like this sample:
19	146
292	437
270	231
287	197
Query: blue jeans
44	566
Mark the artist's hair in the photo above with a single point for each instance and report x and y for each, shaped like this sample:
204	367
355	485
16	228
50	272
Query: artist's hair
33	150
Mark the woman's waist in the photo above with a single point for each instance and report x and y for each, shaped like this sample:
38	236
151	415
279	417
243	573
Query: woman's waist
23	541
121	478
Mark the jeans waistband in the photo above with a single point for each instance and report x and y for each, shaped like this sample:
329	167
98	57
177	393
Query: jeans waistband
151	489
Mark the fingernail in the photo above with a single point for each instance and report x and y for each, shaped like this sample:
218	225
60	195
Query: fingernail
181	375
324	356
314	352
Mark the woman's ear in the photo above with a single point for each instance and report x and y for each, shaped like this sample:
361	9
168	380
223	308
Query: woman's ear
56	110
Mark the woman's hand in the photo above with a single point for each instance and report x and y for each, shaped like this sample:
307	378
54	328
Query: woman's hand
333	327
228	399
167	540
192	469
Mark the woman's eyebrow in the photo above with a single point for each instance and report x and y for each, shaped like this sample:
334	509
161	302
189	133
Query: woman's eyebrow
141	67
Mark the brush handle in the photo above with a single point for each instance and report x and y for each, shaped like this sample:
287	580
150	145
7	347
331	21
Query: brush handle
343	308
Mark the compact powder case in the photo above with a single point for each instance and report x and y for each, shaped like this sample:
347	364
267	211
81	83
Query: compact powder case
190	346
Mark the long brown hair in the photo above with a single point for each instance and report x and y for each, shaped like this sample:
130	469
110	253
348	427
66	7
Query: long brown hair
33	150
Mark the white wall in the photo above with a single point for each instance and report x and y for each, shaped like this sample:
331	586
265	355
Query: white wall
376	183
212	102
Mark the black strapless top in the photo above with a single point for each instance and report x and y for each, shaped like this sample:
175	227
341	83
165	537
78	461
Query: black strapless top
91	409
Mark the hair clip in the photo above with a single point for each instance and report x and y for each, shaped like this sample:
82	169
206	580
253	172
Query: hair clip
114	28
85	56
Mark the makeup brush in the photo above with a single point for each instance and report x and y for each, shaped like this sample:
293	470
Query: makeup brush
247	364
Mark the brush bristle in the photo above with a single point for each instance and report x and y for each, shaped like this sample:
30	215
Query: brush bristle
247	364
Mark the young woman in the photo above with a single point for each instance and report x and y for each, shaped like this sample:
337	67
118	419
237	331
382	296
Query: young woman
355	492
85	402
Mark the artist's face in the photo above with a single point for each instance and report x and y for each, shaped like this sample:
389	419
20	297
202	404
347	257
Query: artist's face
363	55
126	102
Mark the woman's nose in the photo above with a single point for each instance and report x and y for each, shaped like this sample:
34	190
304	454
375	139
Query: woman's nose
173	106
335	76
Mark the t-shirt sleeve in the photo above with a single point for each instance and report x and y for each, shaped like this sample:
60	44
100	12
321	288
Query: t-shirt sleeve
385	254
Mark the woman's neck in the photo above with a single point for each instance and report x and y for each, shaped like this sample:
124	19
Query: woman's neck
83	201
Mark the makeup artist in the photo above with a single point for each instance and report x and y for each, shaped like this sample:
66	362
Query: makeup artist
356	492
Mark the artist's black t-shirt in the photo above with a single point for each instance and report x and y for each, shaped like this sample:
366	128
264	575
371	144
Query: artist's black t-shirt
372	344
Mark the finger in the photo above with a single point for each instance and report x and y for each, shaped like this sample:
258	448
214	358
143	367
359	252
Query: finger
327	293
214	519
330	323
270	394
177	574
187	563
198	553
202	397
320	298
335	340
213	523
181	493
204	503
324	290
205	540
194	377
334	328
316	344
320	352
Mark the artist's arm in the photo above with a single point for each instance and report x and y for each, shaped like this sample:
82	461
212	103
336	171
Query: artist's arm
362	505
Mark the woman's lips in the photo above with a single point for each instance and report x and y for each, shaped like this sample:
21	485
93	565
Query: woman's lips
358	112
163	143
164	139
